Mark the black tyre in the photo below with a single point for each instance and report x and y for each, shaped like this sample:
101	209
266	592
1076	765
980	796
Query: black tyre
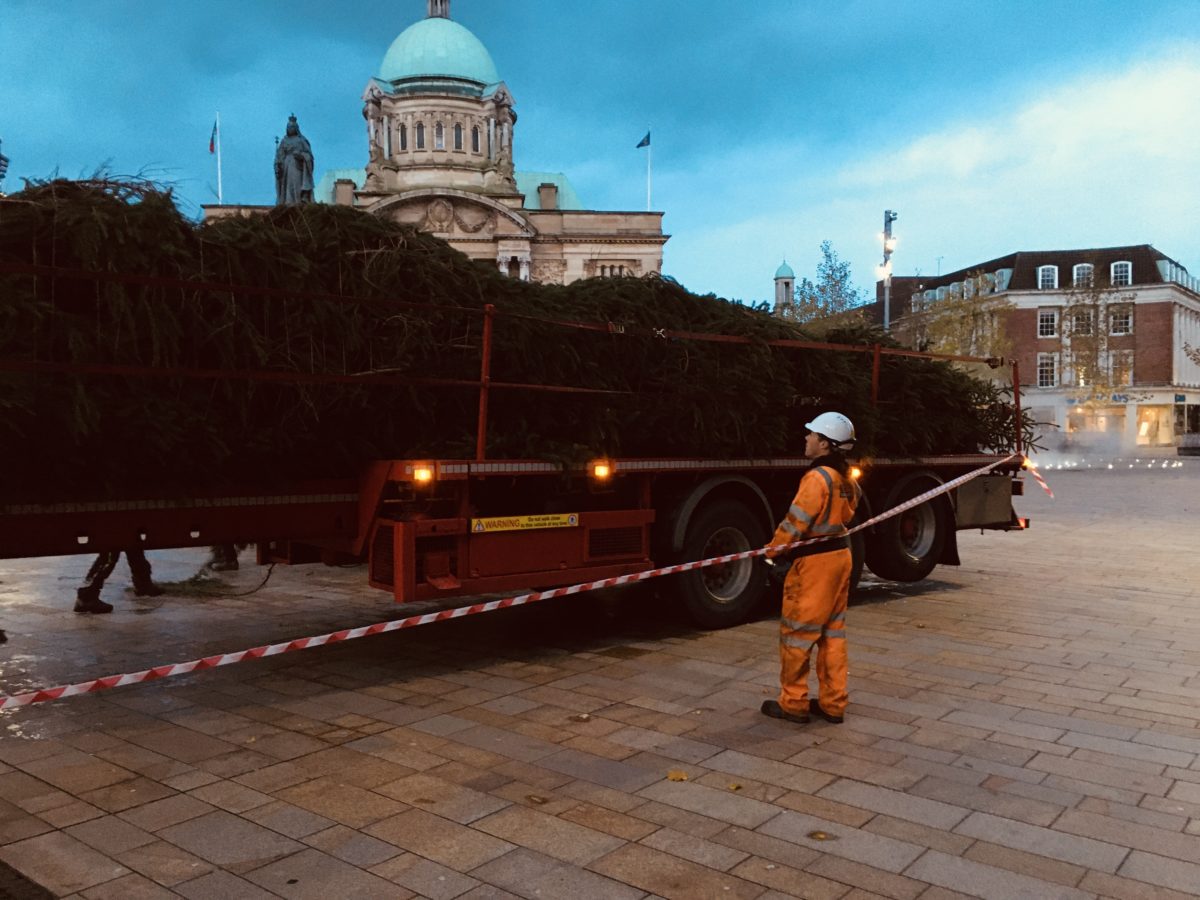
858	550
907	547
725	595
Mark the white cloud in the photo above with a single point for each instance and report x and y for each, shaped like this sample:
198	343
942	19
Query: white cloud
1105	159
1108	158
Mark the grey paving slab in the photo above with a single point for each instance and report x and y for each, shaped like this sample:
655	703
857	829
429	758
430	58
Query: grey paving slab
727	806
991	883
895	803
839	840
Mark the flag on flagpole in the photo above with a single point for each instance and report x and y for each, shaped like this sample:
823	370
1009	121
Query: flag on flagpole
212	140
644	142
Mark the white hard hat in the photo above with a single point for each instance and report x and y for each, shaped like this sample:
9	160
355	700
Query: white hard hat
833	426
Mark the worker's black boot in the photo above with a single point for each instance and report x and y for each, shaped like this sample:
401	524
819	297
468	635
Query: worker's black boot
775	711
144	587
815	709
139	568
87	600
224	558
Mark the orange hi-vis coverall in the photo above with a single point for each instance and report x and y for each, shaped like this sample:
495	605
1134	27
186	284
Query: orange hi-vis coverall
816	590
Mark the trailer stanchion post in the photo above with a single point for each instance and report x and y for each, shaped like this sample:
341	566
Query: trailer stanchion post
1016	377
485	378
875	376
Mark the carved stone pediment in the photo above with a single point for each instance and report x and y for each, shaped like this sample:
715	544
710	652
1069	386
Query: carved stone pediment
454	213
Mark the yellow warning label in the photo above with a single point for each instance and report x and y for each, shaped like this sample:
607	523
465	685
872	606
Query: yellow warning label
524	523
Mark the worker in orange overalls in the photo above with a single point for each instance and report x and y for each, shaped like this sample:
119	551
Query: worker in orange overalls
818	583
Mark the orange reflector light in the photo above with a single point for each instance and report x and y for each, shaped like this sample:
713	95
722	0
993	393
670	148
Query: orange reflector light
422	474
601	470
855	472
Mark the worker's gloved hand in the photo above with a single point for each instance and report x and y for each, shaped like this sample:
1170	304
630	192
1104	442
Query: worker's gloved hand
779	566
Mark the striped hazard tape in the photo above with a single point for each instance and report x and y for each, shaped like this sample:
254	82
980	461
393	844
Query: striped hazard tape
225	659
1031	468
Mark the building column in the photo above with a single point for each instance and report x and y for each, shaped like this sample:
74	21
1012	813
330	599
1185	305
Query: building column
524	260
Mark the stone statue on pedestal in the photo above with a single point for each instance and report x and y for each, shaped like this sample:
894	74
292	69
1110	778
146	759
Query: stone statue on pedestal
293	167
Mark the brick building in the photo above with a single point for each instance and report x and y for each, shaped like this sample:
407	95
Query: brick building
1108	339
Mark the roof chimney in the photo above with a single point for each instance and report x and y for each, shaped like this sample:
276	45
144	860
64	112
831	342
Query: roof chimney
439	9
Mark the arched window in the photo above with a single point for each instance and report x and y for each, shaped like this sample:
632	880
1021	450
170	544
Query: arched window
439	137
403	137
1047	278
457	136
475	139
1082	275
420	135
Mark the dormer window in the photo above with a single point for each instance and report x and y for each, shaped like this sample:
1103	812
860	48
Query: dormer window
1083	275
1121	274
1047	278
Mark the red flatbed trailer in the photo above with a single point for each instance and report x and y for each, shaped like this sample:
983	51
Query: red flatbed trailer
442	528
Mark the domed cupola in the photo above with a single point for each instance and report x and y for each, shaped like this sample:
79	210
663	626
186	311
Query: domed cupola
437	48
438	115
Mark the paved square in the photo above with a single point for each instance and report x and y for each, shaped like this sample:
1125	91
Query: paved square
1025	725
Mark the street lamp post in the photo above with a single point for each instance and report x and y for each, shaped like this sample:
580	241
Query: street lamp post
889	244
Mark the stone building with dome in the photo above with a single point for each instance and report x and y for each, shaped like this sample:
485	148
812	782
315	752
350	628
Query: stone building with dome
440	127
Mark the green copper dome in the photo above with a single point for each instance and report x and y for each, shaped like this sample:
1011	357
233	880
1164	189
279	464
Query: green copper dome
785	271
438	48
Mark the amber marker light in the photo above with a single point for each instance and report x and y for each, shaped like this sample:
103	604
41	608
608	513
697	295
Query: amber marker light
423	475
855	472
601	470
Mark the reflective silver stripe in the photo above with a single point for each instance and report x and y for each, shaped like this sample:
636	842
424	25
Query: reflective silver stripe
800	514
840	617
791	529
828	529
835	635
798	643
800	626
825	513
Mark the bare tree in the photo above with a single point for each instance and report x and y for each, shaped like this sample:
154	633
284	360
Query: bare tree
833	292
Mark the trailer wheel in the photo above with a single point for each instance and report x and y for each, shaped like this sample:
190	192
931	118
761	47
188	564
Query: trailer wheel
908	546
858	552
725	595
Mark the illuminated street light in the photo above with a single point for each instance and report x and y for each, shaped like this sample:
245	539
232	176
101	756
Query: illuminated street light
889	244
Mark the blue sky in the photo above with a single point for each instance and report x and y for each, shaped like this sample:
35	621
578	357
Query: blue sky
989	127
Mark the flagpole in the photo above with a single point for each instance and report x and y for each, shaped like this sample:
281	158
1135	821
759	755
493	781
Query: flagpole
649	156
220	196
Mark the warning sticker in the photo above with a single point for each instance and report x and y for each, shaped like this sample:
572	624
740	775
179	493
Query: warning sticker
524	523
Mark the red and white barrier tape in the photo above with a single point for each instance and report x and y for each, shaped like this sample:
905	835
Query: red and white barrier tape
225	659
1037	476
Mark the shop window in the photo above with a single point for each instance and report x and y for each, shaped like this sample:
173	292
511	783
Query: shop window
1083	275
1047	277
1121	274
1121	320
1047	323
1047	370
